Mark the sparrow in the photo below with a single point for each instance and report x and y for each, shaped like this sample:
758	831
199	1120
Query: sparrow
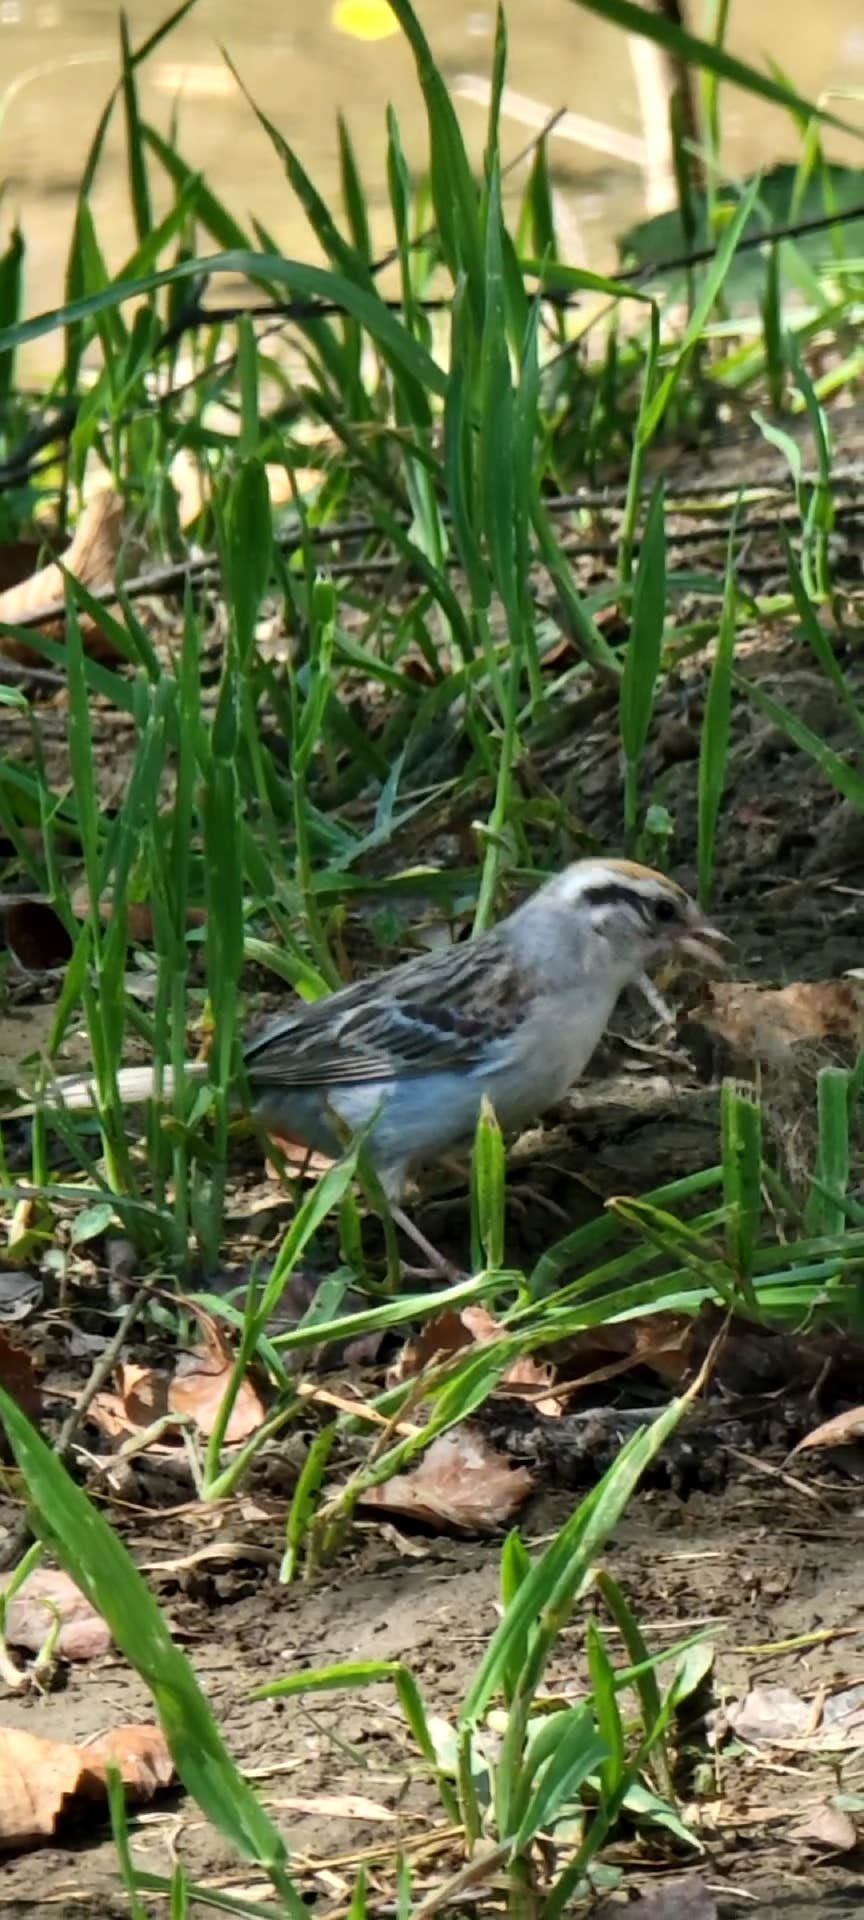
514	1013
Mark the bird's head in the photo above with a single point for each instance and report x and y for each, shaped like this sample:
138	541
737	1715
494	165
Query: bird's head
628	915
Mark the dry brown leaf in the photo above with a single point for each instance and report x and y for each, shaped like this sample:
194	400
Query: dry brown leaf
196	1392
828	1826
200	1379
765	1022
296	1155
138	914
840	1431
140	1754
775	1716
19	1376
450	1332
91	558
46	1593
768	1714
660	1342
43	1780
186	480
461	1482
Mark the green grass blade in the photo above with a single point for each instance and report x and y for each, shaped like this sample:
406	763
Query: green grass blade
712	58
741	1132
642	659
139	187
716	726
96	1559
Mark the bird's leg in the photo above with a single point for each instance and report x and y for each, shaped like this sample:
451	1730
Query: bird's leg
436	1260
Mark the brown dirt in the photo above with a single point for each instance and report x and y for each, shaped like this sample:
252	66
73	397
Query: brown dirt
760	1563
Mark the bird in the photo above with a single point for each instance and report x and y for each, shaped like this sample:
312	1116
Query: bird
514	1014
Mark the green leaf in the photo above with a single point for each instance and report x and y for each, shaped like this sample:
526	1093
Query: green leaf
716	724
488	1190
96	1559
642	659
691	51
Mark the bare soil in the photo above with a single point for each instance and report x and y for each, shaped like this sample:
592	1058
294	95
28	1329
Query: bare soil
759	1562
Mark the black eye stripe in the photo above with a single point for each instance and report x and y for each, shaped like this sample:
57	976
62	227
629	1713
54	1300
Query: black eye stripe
613	894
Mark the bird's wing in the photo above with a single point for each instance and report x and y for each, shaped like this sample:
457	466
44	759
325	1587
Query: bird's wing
436	1012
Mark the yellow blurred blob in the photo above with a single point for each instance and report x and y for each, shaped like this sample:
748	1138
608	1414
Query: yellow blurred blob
364	19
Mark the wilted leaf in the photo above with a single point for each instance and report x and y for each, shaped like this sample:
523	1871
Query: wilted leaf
139	915
828	1827
769	1713
336	1806
195	1391
766	1022
775	1716
200	1380
90	558
42	1781
661	1343
45	1594
296	1154
18	1375
460	1483
450	1332
840	1431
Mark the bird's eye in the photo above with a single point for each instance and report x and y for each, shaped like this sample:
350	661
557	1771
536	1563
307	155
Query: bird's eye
665	910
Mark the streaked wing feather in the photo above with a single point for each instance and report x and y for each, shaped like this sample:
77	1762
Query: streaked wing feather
436	1012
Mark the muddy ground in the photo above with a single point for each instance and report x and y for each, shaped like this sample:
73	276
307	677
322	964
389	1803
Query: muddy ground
730	1534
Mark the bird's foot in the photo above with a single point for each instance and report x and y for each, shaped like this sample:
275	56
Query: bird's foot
439	1267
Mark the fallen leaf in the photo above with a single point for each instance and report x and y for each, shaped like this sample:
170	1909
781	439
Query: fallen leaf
43	1781
660	1342
19	1377
828	1826
461	1482
195	1391
139	1752
837	1432
770	1713
139	915
44	1594
91	558
296	1154
200	1380
766	1022
450	1332
775	1716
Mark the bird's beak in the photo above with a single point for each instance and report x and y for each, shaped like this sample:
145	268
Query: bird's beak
704	942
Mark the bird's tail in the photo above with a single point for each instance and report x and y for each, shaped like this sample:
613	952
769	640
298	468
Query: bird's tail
78	1093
